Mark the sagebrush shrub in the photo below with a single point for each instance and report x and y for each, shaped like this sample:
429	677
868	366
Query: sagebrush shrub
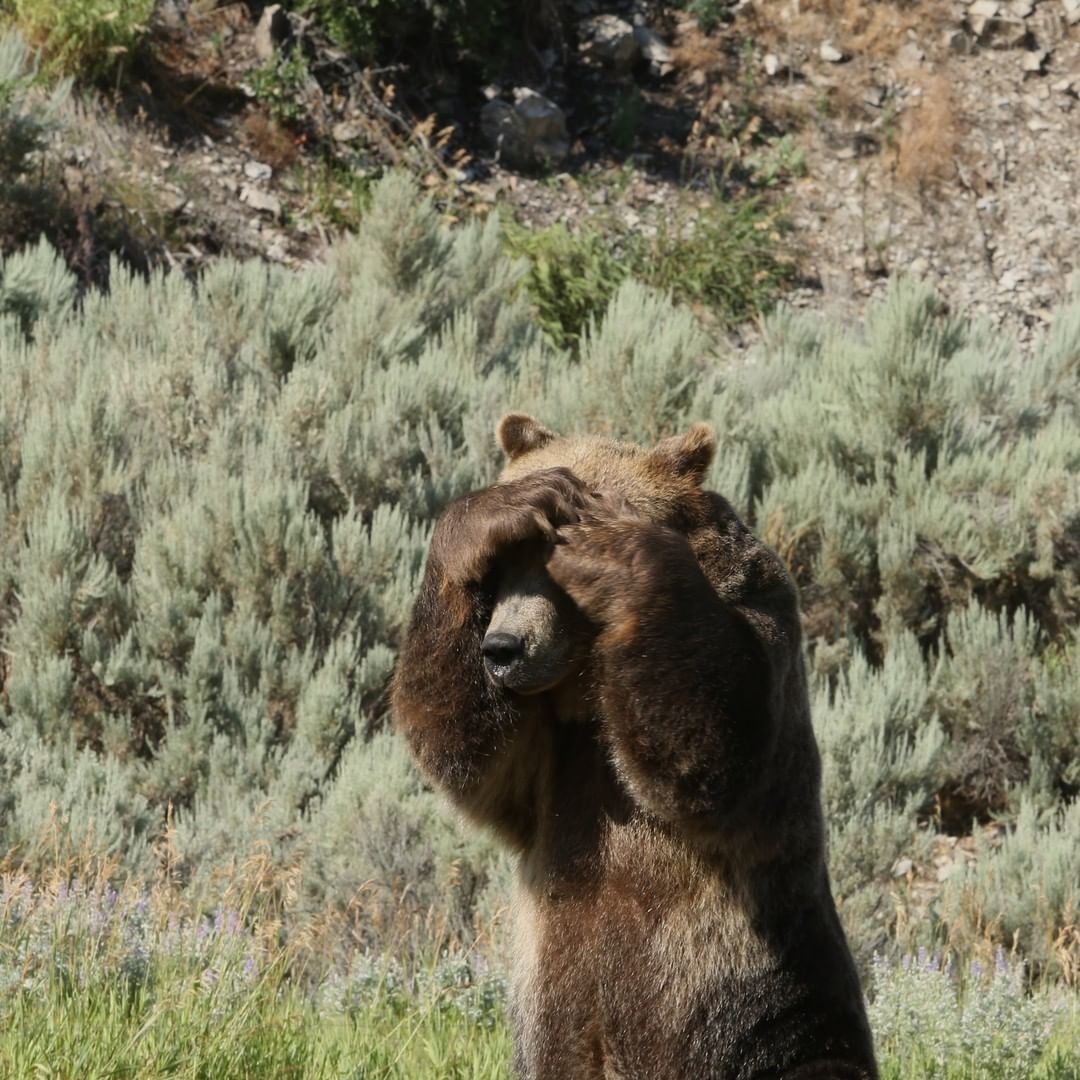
938	1023
215	503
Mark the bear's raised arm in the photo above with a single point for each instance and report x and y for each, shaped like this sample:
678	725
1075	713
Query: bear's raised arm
468	737
461	732
700	670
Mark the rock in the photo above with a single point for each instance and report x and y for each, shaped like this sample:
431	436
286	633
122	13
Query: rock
831	54
919	266
902	867
909	54
773	65
1072	11
271	32
874	96
1009	35
996	25
74	179
1034	62
612	40
348	130
529	131
256	170
277	250
956	41
168	15
173	201
982	16
1022	8
263	201
652	46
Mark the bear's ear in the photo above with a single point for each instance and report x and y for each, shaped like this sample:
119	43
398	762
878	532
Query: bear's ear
689	454
518	433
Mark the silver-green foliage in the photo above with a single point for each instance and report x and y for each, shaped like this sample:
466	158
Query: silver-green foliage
215	500
939	1025
26	115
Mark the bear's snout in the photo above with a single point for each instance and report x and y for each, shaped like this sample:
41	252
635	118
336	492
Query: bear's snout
501	652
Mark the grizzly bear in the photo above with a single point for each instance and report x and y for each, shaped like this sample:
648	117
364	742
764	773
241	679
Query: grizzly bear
604	667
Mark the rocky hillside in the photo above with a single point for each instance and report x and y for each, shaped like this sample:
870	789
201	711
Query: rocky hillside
936	138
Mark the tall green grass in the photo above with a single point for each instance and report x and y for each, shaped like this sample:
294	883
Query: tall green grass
96	982
146	983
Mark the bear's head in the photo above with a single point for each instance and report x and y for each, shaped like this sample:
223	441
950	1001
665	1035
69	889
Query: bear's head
536	637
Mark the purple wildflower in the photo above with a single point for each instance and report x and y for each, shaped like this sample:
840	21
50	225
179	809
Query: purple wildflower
1000	964
233	922
219	920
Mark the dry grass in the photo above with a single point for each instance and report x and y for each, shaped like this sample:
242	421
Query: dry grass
873	28
868	27
270	142
928	142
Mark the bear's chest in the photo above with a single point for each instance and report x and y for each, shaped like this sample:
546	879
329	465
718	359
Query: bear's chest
616	958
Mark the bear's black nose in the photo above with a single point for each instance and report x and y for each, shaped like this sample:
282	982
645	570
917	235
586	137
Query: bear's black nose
501	650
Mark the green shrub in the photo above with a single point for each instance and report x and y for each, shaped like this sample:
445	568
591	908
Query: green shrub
85	38
708	13
571	277
279	84
724	260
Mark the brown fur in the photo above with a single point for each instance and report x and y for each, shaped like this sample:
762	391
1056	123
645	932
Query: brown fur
673	913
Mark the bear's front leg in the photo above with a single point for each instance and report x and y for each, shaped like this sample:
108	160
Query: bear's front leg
689	694
467	735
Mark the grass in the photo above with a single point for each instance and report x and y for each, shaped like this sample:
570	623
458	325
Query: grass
146	982
198	1032
86	39
336	193
137	983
